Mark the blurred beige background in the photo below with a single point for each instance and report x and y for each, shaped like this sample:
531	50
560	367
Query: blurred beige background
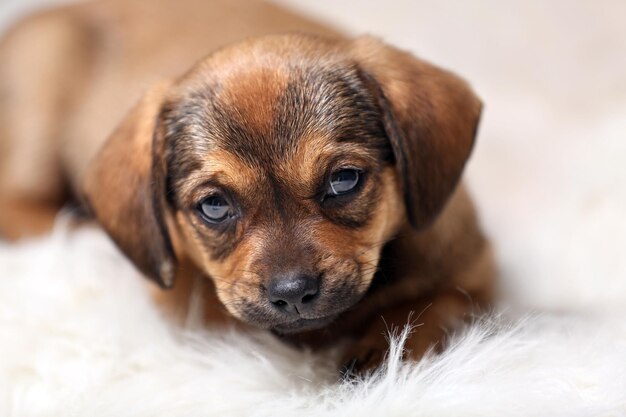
549	171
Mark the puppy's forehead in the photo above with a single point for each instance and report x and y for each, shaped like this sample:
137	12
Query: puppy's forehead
252	96
261	103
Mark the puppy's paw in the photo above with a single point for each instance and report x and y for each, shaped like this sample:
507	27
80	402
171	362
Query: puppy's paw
364	356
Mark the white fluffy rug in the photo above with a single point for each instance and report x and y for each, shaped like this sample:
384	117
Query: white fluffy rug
79	337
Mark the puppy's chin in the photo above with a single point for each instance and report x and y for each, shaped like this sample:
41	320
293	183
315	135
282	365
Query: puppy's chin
302	325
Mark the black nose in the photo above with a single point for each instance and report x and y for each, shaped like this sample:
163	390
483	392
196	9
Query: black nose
293	292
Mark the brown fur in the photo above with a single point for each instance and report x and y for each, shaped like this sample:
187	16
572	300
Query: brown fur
263	122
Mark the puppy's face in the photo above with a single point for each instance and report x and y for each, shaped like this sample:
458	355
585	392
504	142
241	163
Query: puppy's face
281	183
281	166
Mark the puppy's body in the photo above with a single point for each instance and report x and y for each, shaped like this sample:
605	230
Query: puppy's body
263	119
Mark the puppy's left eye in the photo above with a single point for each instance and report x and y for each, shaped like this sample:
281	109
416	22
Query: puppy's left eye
214	209
344	181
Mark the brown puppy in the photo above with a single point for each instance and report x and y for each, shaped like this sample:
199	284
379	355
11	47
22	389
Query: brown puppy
308	180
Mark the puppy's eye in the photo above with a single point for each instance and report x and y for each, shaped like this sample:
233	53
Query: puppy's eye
214	209
344	181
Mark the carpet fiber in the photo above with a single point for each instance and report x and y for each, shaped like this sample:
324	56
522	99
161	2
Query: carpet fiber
79	336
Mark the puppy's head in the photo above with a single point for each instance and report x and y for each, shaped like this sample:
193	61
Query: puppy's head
280	166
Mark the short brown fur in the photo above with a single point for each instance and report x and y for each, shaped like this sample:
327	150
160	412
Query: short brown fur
262	123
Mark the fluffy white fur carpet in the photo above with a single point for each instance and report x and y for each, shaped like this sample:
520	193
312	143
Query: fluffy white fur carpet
79	337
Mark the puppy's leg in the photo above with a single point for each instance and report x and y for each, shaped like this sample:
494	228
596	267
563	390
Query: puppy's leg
431	320
25	218
466	287
41	60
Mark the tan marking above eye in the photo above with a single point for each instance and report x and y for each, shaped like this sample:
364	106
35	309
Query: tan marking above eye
224	168
313	157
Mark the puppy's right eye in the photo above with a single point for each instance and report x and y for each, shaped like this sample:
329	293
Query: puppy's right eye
215	209
344	181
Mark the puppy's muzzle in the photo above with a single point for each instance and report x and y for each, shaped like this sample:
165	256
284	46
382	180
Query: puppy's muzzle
293	292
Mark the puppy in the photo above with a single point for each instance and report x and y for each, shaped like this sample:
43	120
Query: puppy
303	183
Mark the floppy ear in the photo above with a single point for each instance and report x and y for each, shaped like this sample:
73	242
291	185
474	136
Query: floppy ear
125	189
430	117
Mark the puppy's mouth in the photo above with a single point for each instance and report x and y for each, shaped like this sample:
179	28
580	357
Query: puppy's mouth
303	324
